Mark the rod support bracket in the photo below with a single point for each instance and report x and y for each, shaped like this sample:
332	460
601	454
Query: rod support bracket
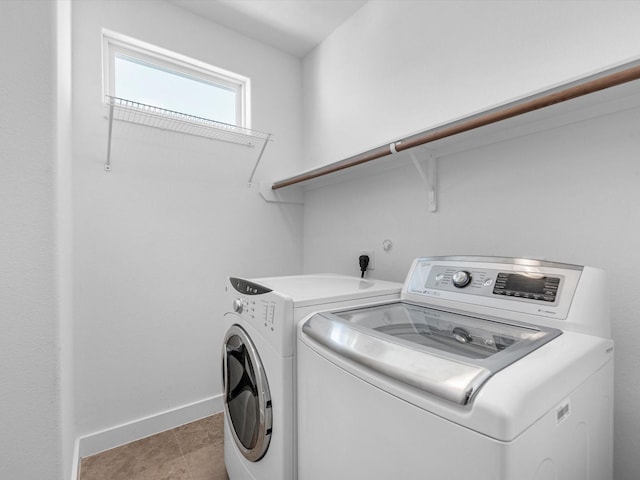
429	176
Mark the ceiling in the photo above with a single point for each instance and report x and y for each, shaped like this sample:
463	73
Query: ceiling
293	26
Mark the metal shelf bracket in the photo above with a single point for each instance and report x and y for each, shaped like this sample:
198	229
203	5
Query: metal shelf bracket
255	167
107	165
429	177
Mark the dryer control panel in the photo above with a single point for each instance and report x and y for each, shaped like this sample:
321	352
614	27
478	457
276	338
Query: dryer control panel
247	287
263	309
252	301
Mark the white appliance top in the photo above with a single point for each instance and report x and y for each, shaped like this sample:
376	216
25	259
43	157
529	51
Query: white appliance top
274	305
321	288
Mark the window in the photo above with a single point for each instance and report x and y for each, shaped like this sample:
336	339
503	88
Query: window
145	74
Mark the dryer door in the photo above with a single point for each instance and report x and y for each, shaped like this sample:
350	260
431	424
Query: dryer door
247	401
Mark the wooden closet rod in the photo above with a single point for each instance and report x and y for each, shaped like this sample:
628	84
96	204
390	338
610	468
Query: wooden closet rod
592	84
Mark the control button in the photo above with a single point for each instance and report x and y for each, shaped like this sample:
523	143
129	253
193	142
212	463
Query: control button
461	278
237	305
488	282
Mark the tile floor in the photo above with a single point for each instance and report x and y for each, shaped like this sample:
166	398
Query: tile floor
190	452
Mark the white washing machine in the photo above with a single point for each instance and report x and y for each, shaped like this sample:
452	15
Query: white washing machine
487	368
258	363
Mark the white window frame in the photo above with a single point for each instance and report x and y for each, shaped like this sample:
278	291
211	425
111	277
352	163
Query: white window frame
115	43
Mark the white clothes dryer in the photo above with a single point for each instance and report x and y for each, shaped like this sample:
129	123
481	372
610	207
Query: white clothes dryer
258	363
487	368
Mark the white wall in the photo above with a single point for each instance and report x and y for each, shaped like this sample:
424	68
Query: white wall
400	67
570	194
37	435
156	237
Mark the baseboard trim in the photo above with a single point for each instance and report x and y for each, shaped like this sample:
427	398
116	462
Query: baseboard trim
128	432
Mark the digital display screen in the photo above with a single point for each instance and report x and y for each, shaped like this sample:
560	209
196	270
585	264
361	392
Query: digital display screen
522	283
536	287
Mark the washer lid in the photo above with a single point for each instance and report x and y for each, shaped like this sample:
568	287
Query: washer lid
443	353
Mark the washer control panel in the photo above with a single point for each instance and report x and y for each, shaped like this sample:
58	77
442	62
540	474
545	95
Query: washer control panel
519	285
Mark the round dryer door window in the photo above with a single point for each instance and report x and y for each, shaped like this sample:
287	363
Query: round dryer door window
247	400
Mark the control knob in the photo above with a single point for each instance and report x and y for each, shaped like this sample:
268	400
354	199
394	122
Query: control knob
237	305
461	278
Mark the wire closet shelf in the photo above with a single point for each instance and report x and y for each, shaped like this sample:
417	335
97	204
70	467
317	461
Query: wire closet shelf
148	115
